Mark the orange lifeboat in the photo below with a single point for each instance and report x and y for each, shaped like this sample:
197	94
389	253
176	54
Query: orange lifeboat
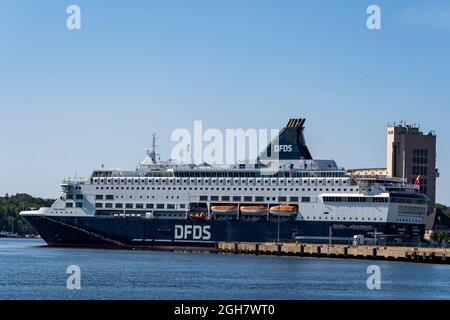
199	216
255	210
283	210
225	209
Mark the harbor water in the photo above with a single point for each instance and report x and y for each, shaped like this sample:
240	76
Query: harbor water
31	270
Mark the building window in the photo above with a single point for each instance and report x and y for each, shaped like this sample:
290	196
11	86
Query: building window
99	197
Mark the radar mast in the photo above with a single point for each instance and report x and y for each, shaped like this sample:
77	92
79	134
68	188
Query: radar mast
152	151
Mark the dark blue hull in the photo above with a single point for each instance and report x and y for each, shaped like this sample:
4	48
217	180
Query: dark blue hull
204	234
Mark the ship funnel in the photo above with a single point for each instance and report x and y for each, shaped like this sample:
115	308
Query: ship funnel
289	144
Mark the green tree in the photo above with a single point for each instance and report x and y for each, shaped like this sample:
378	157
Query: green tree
12	205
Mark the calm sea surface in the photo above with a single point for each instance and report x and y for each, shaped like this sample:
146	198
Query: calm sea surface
29	270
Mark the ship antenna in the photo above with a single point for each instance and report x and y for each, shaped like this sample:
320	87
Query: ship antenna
152	152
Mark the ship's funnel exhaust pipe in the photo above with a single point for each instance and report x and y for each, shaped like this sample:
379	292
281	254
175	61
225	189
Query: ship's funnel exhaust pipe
289	144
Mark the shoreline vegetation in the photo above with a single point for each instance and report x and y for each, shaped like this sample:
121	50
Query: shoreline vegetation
11	224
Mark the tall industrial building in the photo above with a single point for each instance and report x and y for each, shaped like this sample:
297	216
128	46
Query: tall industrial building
411	153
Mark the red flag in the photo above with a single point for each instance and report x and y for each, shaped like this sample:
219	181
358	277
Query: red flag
417	181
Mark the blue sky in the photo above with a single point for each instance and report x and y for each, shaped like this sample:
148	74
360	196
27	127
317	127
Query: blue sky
71	100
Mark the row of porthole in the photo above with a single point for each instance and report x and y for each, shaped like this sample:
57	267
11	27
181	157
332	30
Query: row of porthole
343	218
228	189
322	183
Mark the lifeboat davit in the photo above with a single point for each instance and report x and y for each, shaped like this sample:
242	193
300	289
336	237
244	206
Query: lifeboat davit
226	210
283	210
256	210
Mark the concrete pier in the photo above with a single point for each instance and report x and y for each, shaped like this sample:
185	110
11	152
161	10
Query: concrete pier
412	254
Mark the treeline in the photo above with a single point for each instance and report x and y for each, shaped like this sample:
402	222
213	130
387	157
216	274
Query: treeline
444	209
10	206
441	237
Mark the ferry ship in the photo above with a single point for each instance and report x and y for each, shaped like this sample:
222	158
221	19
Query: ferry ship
169	206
